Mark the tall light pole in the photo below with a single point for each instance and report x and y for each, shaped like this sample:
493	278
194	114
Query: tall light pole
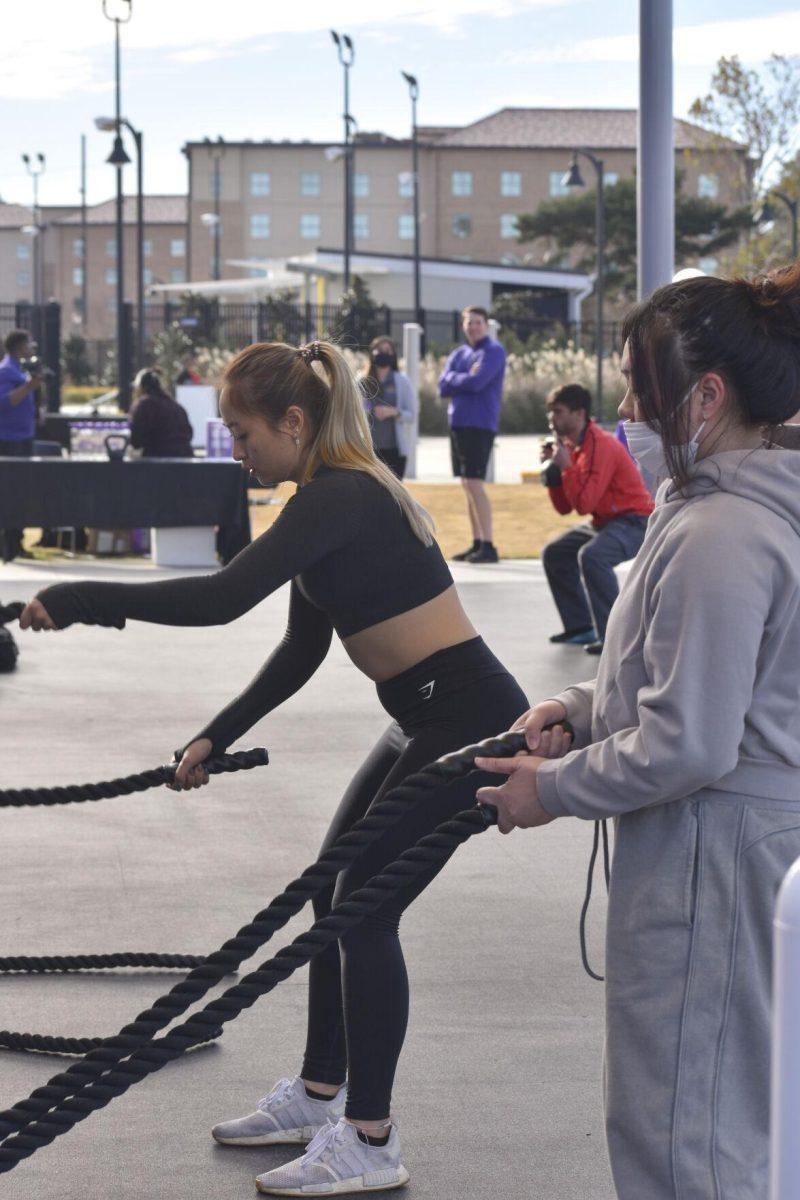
84	238
347	54
573	178
35	169
766	214
413	91
118	158
109	125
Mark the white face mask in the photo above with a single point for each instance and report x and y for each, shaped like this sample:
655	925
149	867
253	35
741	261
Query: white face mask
647	449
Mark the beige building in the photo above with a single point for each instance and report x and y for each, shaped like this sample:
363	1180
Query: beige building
63	263
282	199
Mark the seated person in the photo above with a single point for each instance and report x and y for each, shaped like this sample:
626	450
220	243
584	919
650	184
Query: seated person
589	471
160	427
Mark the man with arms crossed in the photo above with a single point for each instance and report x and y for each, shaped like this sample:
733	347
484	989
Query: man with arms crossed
17	422
473	381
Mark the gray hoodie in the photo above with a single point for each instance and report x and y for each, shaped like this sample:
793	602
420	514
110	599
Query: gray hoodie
699	682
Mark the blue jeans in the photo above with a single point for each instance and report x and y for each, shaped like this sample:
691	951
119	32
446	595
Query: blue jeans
579	567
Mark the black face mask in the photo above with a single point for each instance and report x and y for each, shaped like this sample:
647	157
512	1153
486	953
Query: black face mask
382	359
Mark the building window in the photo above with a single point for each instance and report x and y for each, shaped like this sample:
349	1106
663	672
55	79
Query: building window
461	183
509	227
177	248
111	248
77	276
510	183
259	183
361	225
310	183
77	247
707	187
610	178
147	247
405	183
259	225
360	184
310	225
405	227
23	250
177	275
557	185
147	276
23	278
462	225
111	275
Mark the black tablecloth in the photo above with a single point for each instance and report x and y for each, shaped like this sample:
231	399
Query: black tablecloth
162	492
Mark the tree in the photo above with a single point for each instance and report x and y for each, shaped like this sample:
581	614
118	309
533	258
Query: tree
760	111
75	362
702	227
361	318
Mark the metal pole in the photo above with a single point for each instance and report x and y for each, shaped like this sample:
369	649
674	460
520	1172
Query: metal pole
415	169
138	138
217	186
84	239
792	207
655	180
600	233
37	250
348	183
122	355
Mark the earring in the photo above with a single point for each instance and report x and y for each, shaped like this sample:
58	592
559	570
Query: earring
297	441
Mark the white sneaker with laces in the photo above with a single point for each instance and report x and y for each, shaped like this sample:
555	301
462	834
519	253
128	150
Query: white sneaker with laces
337	1163
287	1116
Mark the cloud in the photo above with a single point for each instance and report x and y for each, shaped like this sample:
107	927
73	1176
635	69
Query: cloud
754	39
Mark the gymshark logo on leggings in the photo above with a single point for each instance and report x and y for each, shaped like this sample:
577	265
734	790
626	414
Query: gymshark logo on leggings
426	691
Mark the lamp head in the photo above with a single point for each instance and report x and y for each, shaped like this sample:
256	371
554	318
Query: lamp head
573	177
764	217
118	157
347	41
335	37
105	124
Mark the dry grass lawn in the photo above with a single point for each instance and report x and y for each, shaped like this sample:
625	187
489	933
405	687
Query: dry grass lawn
523	515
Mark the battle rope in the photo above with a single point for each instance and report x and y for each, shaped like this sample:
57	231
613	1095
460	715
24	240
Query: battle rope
10	612
241	760
109	1070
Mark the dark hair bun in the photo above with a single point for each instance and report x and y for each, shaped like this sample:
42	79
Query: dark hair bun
774	297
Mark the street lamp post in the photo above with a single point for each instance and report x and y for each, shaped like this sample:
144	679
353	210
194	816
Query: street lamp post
347	54
413	91
109	124
766	214
118	158
573	178
35	170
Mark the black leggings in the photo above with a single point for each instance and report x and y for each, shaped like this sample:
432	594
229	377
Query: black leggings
358	990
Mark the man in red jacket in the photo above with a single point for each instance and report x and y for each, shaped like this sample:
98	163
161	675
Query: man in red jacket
588	471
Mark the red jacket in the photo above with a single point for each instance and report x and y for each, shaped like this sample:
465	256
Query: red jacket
603	480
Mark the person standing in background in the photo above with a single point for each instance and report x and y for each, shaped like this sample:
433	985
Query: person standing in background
473	381
160	427
391	405
18	416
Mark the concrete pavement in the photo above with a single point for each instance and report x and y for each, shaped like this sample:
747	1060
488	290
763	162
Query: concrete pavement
498	1092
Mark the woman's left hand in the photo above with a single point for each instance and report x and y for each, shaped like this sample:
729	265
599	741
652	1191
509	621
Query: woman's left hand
517	800
35	616
384	411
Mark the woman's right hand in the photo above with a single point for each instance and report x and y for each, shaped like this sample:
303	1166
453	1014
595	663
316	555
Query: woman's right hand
190	773
547	743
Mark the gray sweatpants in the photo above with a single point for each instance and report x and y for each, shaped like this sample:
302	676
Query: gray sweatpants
688	978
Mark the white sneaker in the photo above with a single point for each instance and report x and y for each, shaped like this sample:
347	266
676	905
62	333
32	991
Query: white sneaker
337	1162
287	1116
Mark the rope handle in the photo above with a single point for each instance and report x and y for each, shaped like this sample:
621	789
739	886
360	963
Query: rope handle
10	612
223	764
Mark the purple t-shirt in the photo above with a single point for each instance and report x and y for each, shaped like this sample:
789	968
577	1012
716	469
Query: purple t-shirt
17	421
474	397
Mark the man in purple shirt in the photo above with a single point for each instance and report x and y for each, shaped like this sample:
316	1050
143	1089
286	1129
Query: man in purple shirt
473	381
17	422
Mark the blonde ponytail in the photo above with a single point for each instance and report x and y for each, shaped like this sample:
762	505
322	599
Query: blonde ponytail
268	377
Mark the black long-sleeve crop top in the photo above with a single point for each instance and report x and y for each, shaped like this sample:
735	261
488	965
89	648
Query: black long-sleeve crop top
353	560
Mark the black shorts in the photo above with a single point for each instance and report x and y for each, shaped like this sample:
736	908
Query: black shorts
470	448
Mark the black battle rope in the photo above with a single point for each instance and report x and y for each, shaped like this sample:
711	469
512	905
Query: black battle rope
10	612
102	1075
588	896
241	760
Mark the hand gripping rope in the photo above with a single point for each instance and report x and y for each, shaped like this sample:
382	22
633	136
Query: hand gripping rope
108	1070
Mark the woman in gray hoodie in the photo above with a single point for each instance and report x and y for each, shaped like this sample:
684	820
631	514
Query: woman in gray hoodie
690	738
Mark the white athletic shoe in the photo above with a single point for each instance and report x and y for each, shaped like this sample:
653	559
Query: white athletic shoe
338	1162
287	1116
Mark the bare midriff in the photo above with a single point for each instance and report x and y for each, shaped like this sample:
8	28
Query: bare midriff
391	647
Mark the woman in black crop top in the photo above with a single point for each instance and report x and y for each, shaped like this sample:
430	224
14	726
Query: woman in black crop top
362	561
